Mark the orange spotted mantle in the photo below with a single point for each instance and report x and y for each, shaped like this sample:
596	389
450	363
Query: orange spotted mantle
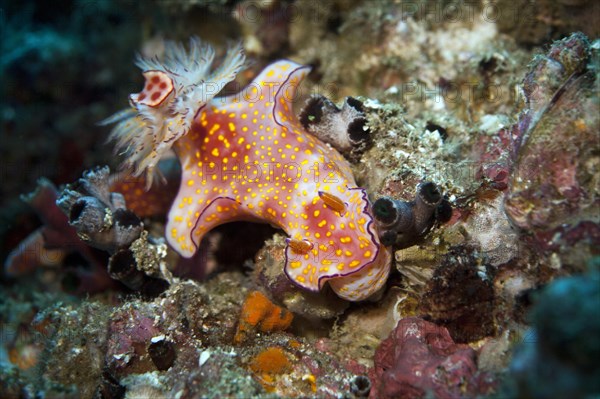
247	157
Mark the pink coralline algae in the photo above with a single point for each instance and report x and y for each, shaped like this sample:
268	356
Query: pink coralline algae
247	157
420	359
495	155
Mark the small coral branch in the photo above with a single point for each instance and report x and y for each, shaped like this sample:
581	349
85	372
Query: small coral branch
401	223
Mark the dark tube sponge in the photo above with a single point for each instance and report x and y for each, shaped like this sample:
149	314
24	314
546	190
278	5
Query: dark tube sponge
401	223
426	202
123	267
343	128
101	219
98	215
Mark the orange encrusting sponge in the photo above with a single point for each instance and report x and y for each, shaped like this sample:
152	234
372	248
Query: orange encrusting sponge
260	314
268	364
272	360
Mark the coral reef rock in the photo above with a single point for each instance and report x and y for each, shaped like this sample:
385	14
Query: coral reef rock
556	173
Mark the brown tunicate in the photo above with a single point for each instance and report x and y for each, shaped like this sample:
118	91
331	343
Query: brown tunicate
460	296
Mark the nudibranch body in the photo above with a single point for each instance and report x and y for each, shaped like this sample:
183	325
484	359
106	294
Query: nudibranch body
247	157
